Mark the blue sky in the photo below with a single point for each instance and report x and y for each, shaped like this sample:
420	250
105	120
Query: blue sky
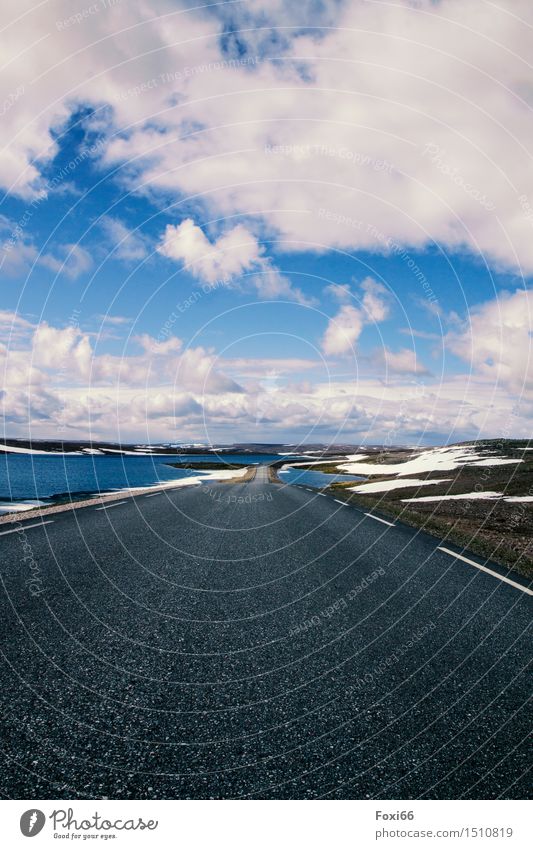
219	225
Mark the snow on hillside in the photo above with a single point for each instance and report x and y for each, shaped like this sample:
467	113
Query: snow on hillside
403	483
432	460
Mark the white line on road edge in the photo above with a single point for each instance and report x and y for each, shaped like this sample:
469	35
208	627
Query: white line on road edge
113	504
484	569
152	495
25	527
370	516
342	503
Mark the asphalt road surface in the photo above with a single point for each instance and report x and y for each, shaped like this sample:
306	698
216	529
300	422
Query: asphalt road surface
256	640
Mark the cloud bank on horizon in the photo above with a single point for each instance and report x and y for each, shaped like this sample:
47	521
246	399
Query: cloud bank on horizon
267	221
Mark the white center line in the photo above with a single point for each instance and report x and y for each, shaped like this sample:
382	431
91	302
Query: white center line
484	569
25	527
370	516
113	504
342	503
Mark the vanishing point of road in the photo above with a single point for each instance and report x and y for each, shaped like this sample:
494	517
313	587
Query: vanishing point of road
256	640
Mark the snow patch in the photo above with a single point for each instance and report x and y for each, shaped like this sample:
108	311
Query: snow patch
465	495
385	486
436	459
19	506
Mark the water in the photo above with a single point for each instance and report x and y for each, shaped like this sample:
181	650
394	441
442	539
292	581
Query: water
37	476
315	479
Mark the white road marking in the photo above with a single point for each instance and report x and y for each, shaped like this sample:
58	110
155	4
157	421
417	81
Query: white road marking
113	504
25	527
153	495
484	569
322	494
370	516
342	503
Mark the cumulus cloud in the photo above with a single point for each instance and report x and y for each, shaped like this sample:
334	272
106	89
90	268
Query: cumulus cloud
63	349
403	361
56	382
344	329
496	340
399	174
375	300
158	347
235	253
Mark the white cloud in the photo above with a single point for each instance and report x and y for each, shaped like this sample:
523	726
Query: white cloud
55	382
67	350
378	98
74	262
157	347
340	291
375	300
497	340
270	284
344	329
233	253
403	361
124	243
106	318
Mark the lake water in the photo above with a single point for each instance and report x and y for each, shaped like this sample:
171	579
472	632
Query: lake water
37	476
315	479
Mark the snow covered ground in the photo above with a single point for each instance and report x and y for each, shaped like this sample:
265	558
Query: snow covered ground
432	460
385	486
511	499
463	495
214	475
19	507
15	449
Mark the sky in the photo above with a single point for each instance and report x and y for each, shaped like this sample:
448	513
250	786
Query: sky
266	221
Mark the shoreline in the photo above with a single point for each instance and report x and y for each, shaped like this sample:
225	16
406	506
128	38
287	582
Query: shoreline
237	476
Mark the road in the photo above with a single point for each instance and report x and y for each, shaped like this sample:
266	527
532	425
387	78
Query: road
256	640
